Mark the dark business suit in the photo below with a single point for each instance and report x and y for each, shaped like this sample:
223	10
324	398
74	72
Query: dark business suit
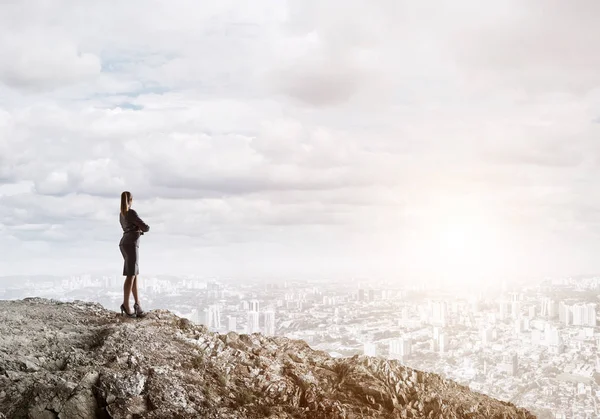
133	228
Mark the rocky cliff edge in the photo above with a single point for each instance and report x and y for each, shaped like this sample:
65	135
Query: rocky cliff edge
79	360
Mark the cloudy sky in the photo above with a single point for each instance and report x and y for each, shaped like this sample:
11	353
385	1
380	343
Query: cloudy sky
327	138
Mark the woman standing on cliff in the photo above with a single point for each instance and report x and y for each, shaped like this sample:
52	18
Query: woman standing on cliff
133	228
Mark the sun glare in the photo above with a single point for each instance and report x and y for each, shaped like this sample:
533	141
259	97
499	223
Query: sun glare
460	243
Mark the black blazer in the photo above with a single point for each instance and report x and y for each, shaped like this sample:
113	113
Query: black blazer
133	228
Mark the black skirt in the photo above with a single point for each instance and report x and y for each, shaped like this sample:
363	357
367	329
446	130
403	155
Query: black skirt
130	257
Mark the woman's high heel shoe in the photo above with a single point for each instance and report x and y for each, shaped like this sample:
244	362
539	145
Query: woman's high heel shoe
125	313
138	310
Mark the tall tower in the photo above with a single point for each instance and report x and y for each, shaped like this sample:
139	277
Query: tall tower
400	348
510	363
486	336
591	314
361	295
504	309
213	317
269	323
443	342
253	322
439	312
231	323
565	313
545	309
515	309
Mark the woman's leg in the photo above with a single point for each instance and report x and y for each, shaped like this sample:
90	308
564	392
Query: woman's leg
127	288
134	290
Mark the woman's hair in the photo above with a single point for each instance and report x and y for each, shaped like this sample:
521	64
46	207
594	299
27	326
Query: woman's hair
125	200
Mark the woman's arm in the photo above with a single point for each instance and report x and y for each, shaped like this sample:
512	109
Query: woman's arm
135	219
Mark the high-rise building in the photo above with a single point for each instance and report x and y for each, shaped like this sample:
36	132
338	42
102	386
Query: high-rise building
591	314
200	316
370	349
515	309
361	295
510	364
486	336
505	308
231	323
212	317
439	312
562	310
443	342
269	323
579	314
254	305
553	309
549	308
253	322
565	313
531	312
436	332
406	347
195	317
553	340
486	366
551	335
544	309
519	326
214	291
400	348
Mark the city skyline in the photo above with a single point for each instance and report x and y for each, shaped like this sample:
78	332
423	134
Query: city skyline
304	138
534	345
408	180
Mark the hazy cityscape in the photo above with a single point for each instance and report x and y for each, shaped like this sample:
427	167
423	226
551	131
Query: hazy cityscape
536	345
318	147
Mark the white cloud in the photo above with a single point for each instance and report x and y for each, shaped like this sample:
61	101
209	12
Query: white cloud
537	46
298	130
39	60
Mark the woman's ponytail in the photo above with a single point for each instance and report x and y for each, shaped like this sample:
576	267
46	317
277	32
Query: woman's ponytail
125	200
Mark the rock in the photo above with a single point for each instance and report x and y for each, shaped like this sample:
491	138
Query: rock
13	375
81	405
30	364
78	360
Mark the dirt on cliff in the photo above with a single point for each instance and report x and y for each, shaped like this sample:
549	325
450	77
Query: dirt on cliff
79	360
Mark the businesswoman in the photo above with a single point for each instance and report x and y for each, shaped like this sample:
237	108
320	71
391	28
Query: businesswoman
133	228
